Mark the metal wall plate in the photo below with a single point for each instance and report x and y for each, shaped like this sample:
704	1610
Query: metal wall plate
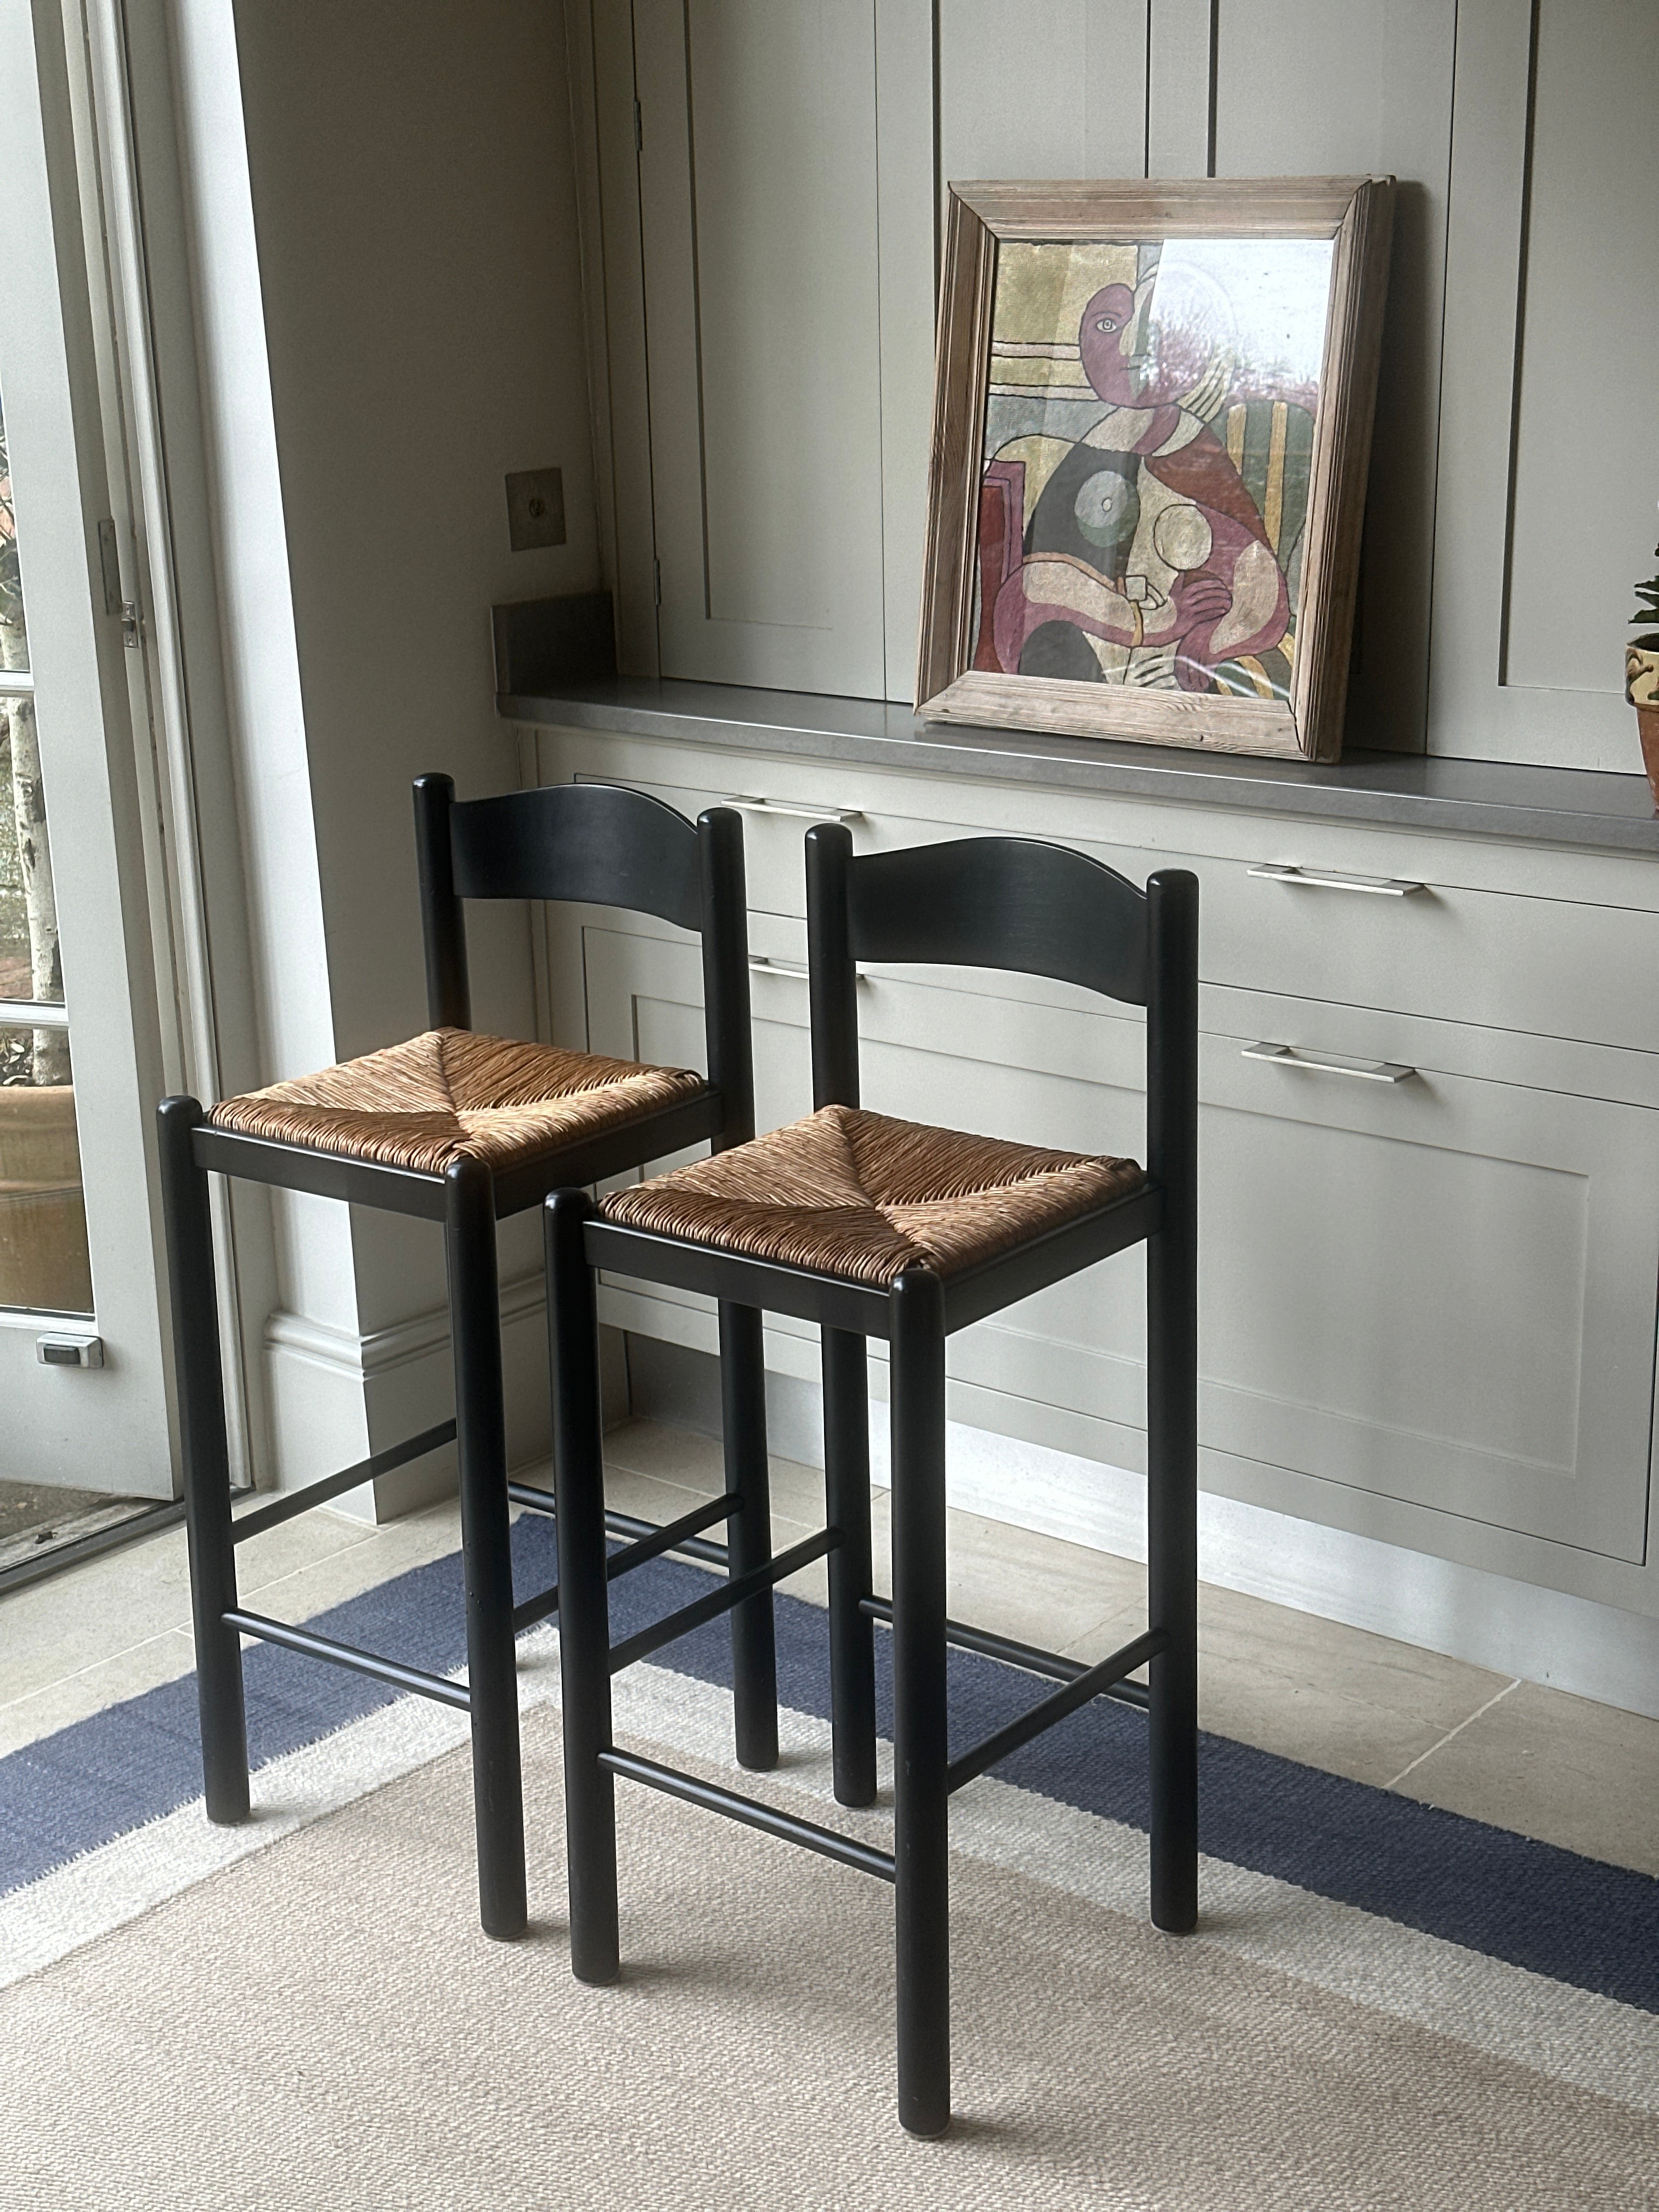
535	509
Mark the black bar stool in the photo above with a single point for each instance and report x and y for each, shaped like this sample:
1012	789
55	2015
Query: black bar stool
873	1227
461	1129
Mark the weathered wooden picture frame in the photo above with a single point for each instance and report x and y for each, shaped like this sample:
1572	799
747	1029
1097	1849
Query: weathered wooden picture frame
1152	413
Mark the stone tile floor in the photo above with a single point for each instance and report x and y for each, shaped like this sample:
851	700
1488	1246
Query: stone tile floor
1536	1761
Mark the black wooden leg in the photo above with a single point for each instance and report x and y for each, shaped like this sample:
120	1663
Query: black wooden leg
206	1463
852	1633
921	1730
590	1812
1172	1574
480	1437
748	1535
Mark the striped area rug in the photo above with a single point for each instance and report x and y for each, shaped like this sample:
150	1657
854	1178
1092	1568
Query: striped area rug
1385	2003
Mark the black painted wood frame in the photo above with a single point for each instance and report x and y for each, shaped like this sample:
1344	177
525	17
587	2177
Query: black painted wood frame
603	845
1002	903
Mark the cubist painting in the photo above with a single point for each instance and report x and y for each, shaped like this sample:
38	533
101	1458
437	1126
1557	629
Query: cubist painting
1147	461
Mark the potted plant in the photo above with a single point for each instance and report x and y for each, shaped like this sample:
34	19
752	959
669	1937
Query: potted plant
1642	675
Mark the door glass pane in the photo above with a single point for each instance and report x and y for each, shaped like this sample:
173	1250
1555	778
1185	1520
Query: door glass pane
43	1218
43	1224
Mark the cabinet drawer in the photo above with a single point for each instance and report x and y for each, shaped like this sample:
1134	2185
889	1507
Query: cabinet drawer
1548	967
1493	958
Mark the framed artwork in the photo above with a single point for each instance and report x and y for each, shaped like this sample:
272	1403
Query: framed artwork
1152	426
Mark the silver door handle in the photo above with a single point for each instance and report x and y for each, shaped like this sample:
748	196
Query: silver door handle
1361	1071
803	813
1328	880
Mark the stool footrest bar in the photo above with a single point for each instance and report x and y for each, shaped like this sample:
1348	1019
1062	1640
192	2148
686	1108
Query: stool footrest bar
535	1608
629	1525
767	1817
672	1536
1089	1684
721	1599
1027	1656
529	1495
312	1646
669	1538
284	1508
711	1554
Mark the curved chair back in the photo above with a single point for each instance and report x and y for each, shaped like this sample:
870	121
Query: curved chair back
1018	903
599	844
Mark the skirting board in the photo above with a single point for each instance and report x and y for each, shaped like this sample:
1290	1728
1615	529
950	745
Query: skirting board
336	1397
1465	1613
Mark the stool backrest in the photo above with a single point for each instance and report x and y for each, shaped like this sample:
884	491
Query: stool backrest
1018	903
599	844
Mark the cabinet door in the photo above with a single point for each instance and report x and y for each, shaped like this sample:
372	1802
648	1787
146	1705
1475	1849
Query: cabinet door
1304	87
1042	87
1548	385
787	227
1440	1290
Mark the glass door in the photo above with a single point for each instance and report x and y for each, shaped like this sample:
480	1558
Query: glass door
83	1397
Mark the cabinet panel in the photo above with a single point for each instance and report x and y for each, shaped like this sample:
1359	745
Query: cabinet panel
773	209
1048	89
1304	88
758	185
1441	1289
1583	518
1542	519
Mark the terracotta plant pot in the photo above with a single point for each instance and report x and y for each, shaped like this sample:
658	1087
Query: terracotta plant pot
1642	689
43	1215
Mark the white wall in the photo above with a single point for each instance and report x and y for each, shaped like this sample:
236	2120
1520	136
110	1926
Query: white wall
389	317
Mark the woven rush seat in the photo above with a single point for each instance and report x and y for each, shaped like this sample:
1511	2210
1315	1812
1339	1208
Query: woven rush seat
863	1196
451	1094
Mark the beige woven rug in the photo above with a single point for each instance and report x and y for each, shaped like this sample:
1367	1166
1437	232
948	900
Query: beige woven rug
317	2024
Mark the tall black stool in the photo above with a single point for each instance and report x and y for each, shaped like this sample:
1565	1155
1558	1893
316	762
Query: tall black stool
461	1129
873	1227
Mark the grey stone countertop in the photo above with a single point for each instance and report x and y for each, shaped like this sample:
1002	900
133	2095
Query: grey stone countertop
1484	798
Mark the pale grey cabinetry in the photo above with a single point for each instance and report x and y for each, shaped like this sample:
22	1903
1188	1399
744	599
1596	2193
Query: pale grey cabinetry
762	189
1429	1299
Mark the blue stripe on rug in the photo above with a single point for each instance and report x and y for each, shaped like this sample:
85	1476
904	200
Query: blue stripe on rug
1573	1919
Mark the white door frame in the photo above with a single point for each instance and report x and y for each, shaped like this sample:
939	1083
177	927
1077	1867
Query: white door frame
94	1428
126	95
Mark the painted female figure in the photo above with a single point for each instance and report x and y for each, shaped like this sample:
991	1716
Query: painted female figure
1135	552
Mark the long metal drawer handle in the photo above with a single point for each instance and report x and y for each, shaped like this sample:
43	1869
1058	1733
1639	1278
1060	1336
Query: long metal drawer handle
804	813
1369	1071
1322	879
762	964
